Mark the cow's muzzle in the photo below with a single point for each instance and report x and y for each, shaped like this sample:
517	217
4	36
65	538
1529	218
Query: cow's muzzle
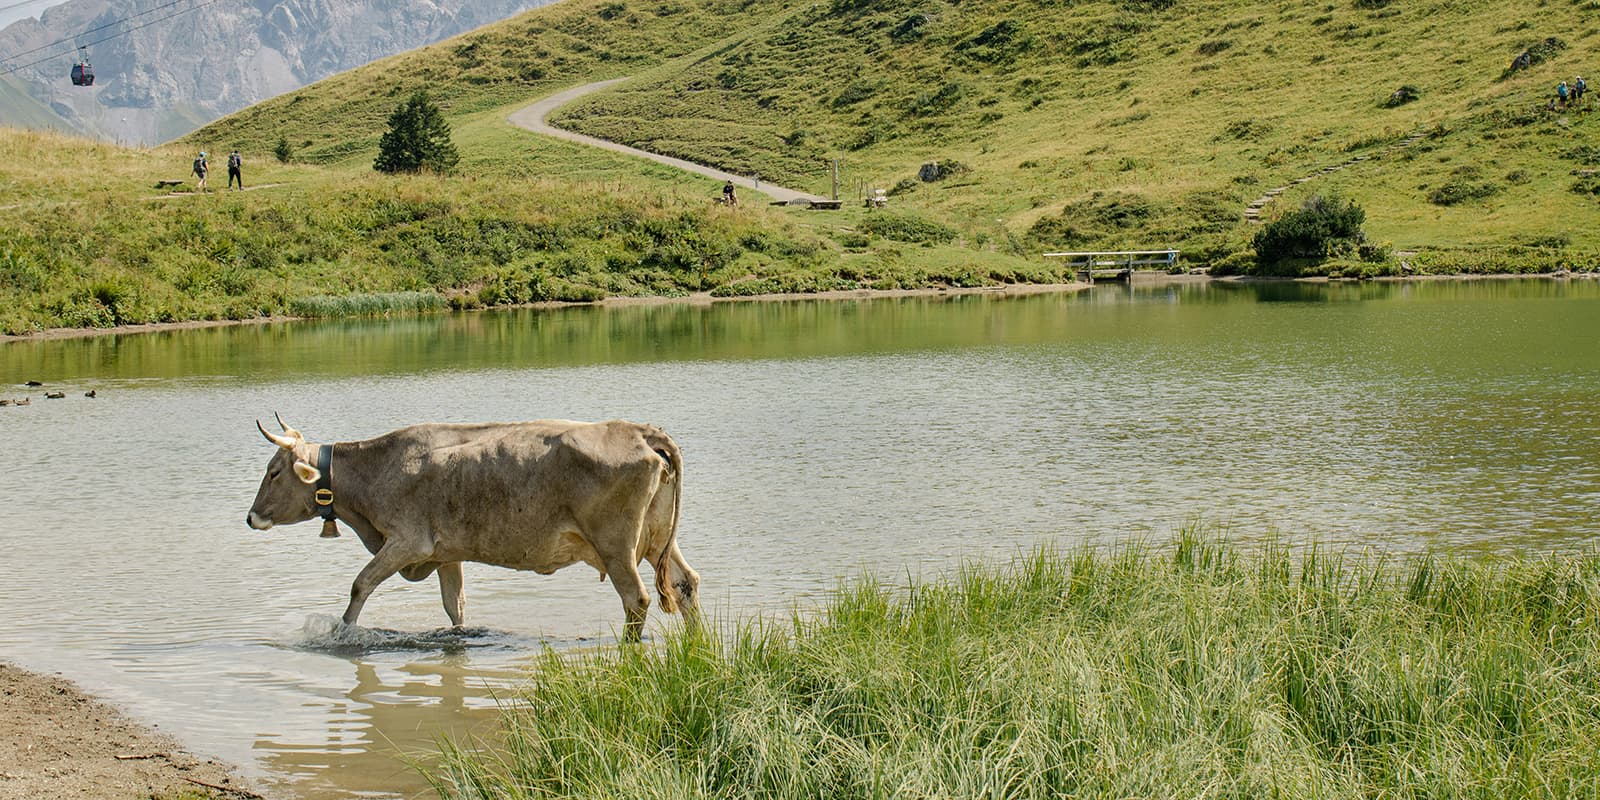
257	521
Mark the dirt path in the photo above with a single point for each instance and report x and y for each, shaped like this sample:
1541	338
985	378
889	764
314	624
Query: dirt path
1252	212
535	118
56	741
171	195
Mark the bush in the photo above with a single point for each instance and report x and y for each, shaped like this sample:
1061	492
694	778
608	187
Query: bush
1587	184
907	228
1320	228
1461	191
284	151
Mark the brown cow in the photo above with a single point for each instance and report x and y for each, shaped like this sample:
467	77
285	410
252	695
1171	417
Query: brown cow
523	495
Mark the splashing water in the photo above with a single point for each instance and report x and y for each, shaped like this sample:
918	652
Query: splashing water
325	634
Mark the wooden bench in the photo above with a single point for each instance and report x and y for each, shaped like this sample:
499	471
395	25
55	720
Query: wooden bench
826	205
1115	264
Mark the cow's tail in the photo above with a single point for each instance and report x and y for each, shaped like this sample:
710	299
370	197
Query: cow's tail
664	446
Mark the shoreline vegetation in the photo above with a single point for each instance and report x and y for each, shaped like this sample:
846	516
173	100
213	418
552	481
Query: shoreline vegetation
1197	668
376	305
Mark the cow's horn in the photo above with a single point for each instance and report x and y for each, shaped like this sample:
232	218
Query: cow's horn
288	431
281	441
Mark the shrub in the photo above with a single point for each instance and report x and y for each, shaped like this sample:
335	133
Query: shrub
1461	191
284	151
1319	228
911	28
904	185
997	44
928	104
1587	184
1213	47
907	228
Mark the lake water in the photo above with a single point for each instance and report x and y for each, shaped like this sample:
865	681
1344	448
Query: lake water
821	439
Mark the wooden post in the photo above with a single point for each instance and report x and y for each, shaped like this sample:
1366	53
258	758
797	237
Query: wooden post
836	179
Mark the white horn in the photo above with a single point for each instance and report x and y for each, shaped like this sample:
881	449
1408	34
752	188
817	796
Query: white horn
281	441
288	431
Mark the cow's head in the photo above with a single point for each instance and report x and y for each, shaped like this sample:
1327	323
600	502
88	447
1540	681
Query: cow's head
287	493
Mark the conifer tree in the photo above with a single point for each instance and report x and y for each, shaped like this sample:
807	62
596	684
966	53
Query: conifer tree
418	139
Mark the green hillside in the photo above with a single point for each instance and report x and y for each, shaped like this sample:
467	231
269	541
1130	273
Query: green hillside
1100	124
502	65
17	107
86	241
1150	122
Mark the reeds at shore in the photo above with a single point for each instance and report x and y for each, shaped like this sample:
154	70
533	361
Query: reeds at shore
1200	669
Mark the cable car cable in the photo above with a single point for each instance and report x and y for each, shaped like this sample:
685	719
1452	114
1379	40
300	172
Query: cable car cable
21	4
202	4
89	32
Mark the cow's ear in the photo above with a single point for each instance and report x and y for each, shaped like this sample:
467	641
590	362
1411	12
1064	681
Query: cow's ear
307	473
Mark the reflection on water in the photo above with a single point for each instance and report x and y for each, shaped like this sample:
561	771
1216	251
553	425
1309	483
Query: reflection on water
392	715
821	439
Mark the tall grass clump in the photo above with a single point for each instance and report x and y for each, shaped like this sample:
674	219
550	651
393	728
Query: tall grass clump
1197	670
366	305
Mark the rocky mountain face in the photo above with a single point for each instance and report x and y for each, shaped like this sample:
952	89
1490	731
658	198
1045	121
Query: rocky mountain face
165	68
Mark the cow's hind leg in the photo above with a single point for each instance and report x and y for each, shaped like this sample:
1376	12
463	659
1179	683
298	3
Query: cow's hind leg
455	600
389	560
630	587
685	584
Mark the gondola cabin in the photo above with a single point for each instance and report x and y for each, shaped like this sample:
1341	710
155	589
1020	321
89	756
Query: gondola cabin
83	71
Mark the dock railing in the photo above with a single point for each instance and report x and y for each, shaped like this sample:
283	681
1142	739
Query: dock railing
1116	263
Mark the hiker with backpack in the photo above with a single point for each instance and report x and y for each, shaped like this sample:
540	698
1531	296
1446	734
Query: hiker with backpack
1561	93
1579	89
201	167
234	165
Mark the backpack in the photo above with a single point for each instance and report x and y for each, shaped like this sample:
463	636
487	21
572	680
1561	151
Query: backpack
233	161
199	166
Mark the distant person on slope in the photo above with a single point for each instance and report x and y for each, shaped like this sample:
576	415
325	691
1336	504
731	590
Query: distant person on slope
728	197
200	170
235	163
1579	89
1561	93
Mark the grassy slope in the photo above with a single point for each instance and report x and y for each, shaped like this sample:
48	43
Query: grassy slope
1095	124
17	107
1149	122
504	64
86	242
1201	671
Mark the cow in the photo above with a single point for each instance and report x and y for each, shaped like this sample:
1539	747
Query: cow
537	496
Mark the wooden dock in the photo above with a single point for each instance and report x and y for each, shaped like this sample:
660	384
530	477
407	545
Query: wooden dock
1115	265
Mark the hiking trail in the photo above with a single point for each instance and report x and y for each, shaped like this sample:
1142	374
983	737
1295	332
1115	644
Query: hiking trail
1252	212
534	117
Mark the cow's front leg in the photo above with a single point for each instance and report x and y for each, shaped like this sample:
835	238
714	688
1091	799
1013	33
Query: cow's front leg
389	560
455	600
630	587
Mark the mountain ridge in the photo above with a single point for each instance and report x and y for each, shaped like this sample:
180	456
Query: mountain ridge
157	77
